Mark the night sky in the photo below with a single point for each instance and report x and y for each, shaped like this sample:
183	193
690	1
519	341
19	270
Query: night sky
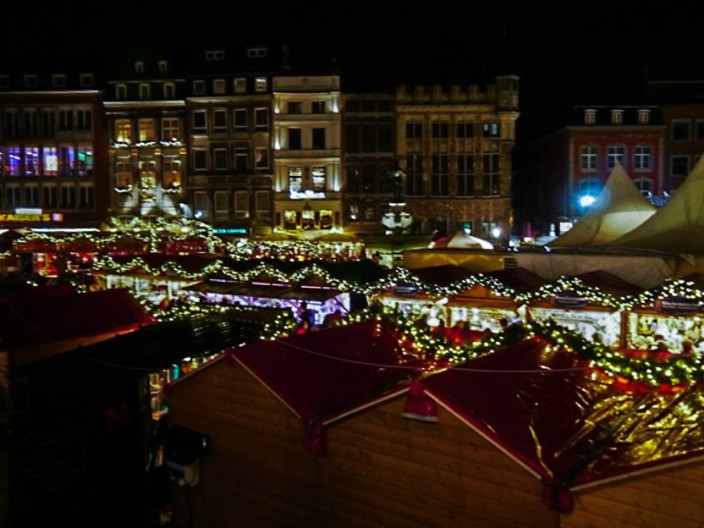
581	53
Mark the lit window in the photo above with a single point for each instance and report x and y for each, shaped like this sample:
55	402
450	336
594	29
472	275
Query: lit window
219	86
260	84
318	178
590	117
261	157
643	116
615	153
163	66
123	130
616	117
171	174
642	157
295	179
588	157
147	130
139	67
491	129
240	85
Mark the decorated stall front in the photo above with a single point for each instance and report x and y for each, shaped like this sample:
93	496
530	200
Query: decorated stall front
592	304
668	318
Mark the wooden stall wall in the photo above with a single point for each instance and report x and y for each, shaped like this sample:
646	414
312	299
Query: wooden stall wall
670	498
381	470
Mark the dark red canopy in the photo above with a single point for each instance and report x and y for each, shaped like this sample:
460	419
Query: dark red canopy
544	408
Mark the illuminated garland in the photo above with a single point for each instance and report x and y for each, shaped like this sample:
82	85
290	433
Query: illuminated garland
579	288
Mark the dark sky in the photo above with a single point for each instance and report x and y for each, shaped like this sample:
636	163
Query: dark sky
569	53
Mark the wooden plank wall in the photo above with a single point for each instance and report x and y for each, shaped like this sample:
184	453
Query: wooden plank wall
672	498
381	470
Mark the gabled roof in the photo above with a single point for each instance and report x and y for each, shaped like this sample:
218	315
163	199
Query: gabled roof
326	374
544	409
47	317
678	226
619	208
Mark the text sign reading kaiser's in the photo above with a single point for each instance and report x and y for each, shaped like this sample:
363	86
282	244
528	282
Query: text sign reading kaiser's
31	217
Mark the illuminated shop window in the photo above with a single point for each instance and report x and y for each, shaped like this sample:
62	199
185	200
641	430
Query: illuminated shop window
147	130
84	160
307	219
51	161
31	161
325	218
290	219
295	179
123	131
318	178
171	174
14	161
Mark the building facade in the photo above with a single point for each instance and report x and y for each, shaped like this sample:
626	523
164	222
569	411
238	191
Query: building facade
53	150
307	152
455	148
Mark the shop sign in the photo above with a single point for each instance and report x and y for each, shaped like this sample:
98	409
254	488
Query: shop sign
569	299
677	305
31	217
405	288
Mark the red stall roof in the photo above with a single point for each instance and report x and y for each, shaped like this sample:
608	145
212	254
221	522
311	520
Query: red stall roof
327	374
544	408
46	316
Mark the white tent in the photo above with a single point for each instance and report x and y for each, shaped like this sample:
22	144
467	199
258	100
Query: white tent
678	226
461	240
619	208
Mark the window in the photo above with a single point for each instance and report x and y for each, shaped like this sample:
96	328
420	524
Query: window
215	55
219	87
200	122
48	119
294	107
385	137
295	179
50	161
120	92
163	66
31	81
31	161
644	185
221	205
240	119
144	92
171	174
261	118
86	80
700	129
241	204
615	153
14	161
169	91
352	137
255	53
679	166
368	138
170	128
68	197
84	119
590	117
85	196
65	119
220	158
440	177
50	196
414	130
491	185
414	175
642	157
353	212
440	130
201	205
369	212
318	138
200	159
465	175
317	107
123	174
147	130
219	120
260	84
67	160
318	178
491	129
588	157
12	196
123	131
30	122
680	130
199	87
261	158
147	175
240	85
262	203
4	82
84	160
465	129
294	138
353	179
643	116
616	117
368	178
58	80
31	194
139	67
589	187
241	160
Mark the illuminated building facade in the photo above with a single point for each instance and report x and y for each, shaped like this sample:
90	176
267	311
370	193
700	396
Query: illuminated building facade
307	152
145	112
53	150
229	122
568	168
455	147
